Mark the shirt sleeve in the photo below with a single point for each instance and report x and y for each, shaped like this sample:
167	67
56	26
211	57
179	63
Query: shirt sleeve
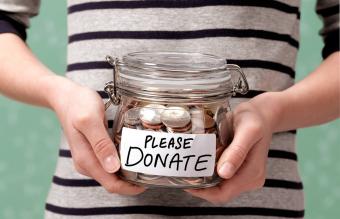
15	15
328	10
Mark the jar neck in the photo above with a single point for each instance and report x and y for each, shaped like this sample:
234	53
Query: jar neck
190	85
180	98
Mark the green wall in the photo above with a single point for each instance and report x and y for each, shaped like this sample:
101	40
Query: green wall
29	136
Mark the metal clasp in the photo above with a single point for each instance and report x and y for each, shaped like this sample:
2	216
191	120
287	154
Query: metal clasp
241	86
111	86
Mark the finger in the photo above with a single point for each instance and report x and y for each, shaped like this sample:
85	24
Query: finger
101	143
111	182
221	193
106	122
84	158
247	133
250	176
78	144
81	170
226	129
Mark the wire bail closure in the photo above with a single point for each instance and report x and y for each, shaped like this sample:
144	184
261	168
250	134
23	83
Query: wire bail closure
241	86
111	86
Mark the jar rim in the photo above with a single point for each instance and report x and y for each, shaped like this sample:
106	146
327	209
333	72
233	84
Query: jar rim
174	61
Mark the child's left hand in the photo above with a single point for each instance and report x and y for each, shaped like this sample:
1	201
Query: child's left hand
243	163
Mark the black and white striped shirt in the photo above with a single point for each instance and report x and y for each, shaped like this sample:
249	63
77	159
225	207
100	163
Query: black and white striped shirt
260	36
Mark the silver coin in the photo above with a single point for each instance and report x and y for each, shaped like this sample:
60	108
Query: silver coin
131	117
151	114
197	125
140	127
220	114
197	112
175	117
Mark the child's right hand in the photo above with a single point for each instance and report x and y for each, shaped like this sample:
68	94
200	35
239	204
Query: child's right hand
82	116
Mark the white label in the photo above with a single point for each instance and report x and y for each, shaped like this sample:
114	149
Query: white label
168	154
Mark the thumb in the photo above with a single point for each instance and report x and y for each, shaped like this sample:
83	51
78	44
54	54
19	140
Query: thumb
102	145
235	154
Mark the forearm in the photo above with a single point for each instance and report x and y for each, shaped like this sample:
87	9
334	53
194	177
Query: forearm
312	101
22	76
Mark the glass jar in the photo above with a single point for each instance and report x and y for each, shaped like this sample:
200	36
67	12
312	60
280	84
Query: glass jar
173	120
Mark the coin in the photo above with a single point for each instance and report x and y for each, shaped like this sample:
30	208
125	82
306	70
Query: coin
131	126
140	127
205	115
131	117
119	125
181	181
193	180
129	175
116	140
212	130
186	129
118	136
197	125
220	114
183	132
175	117
197	112
219	152
176	181
209	112
152	127
151	114
148	177
209	122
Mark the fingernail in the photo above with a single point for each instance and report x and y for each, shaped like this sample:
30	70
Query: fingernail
111	164
227	170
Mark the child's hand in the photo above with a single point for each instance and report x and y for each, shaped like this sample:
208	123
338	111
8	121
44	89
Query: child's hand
243	163
82	115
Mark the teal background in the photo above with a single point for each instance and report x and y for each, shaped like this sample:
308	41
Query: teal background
29	136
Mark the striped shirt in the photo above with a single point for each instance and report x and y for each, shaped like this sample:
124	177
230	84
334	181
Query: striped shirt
260	36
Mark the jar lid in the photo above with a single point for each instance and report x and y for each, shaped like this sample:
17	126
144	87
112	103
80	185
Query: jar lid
173	76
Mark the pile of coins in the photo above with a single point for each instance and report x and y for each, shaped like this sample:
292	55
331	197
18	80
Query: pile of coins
172	119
